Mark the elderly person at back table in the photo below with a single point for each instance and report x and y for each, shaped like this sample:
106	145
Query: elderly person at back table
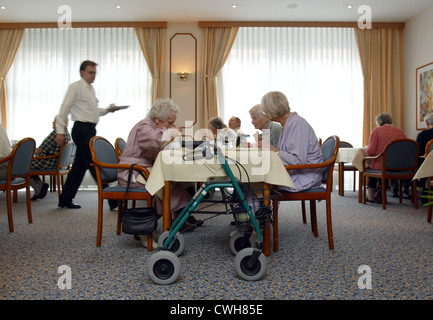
382	135
5	150
235	124
271	131
298	143
146	139
423	138
216	124
220	131
48	147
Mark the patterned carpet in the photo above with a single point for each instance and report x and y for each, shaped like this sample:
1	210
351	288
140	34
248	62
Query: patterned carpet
396	244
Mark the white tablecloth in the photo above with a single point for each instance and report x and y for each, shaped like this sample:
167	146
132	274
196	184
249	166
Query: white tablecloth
261	166
426	169
352	155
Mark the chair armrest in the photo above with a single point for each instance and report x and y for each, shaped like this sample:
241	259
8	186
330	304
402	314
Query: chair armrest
7	158
46	157
311	165
369	159
123	166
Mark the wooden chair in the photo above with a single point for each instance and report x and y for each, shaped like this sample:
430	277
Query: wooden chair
63	167
18	175
344	166
330	150
399	161
428	148
106	164
119	145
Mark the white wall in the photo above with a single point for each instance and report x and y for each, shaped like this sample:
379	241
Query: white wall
418	51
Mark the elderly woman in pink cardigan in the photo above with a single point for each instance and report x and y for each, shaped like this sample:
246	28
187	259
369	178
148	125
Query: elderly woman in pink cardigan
144	143
380	137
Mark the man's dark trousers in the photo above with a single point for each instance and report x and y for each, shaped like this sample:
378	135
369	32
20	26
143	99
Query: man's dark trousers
82	132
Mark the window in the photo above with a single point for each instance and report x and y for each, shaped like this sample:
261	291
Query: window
48	61
318	69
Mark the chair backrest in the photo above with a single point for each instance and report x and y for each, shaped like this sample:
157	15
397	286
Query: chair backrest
119	145
329	150
66	155
103	151
401	154
428	147
22	155
344	144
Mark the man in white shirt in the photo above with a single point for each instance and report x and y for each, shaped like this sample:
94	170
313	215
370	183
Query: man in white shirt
80	101
5	150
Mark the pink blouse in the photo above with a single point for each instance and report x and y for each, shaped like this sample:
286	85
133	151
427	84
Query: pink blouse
141	148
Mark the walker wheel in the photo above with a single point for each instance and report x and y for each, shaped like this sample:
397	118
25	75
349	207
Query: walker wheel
250	273
178	245
163	267
239	242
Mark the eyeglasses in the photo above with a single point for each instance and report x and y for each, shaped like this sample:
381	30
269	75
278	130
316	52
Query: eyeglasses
91	72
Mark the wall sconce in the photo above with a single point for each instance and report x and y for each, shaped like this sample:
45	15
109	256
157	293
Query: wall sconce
183	75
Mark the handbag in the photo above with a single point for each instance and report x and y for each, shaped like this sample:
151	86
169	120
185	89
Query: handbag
138	221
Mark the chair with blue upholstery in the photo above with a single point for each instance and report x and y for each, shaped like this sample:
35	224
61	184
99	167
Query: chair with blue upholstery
63	166
399	162
106	164
18	175
330	150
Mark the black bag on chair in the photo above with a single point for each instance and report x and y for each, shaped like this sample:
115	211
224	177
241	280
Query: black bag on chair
138	221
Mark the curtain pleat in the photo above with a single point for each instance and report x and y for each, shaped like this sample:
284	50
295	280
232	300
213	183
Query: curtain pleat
217	43
380	51
152	42
9	43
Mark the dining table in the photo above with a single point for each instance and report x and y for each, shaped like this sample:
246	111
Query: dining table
354	156
426	168
178	165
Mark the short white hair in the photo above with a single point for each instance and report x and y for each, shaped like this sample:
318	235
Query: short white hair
162	109
258	110
275	104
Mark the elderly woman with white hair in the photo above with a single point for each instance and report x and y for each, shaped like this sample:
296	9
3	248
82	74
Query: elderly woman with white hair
271	130
146	139
298	143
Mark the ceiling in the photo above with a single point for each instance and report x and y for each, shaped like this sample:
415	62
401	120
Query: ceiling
210	10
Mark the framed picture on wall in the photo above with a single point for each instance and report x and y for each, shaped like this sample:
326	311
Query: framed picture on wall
424	94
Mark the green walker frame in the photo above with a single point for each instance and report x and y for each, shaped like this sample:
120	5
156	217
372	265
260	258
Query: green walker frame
163	267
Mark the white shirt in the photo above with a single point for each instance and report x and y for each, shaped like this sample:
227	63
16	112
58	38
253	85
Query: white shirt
80	101
5	145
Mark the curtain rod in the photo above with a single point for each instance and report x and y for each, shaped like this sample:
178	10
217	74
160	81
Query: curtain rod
120	24
294	24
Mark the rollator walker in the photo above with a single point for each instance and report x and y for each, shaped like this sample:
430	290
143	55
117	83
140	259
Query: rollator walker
163	267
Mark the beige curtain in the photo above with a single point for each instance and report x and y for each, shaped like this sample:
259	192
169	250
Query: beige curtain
217	43
9	43
382	65
152	42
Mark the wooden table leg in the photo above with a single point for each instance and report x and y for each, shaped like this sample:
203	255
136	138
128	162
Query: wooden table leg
341	179
267	228
360	184
166	215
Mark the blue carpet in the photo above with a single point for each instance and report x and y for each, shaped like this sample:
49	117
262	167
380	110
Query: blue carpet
396	244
